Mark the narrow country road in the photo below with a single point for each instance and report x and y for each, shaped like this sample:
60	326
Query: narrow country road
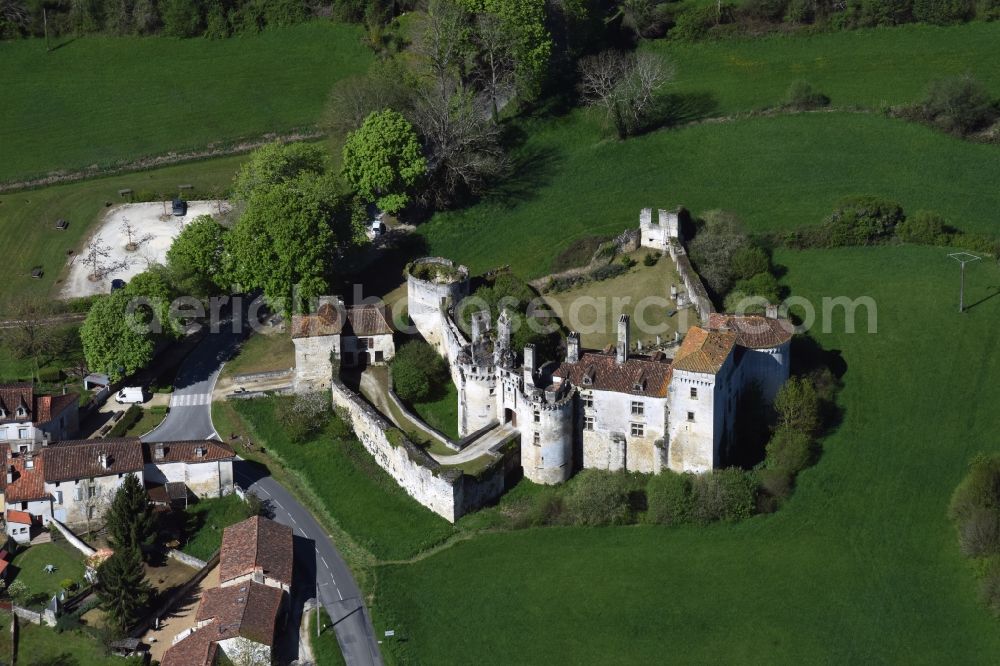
190	418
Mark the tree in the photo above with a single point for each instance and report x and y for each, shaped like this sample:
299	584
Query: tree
383	160
443	44
958	104
181	18
304	415
130	518
625	86
496	65
32	337
95	255
114	342
714	247
288	238
151	294
790	451
122	587
418	372
194	260
797	406
276	163
354	98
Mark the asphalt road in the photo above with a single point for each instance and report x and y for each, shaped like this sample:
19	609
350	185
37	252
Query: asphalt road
190	418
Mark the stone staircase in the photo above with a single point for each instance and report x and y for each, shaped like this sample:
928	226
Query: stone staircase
42	537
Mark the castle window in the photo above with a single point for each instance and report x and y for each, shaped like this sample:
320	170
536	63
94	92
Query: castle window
538	418
694	392
588	422
691	416
638	408
588	400
638	430
537	439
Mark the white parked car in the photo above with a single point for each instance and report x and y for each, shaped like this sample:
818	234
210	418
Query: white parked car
130	394
378	228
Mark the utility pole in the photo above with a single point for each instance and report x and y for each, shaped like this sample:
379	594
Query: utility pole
963	258
45	27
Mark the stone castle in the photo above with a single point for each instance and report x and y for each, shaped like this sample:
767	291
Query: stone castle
612	409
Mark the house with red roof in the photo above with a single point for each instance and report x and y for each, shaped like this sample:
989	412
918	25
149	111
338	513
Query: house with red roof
27	416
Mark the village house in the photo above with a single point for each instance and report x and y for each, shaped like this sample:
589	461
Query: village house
242	616
27	416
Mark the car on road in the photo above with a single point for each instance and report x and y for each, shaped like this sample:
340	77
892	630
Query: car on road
130	395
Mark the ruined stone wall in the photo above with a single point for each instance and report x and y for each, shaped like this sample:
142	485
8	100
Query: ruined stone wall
427	300
692	283
316	362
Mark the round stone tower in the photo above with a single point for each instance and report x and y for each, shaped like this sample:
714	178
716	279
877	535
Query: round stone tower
432	284
546	424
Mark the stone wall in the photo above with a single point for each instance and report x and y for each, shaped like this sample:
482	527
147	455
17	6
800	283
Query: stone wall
692	283
314	361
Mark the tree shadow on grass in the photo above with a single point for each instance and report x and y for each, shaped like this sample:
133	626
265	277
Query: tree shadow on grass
675	109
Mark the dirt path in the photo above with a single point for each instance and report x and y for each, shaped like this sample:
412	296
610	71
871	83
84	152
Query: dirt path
180	618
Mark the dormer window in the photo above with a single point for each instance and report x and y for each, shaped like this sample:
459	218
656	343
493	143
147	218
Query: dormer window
3	413
21	412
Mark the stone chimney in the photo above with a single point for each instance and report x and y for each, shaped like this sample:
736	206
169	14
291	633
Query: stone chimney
623	340
480	325
529	367
102	459
158	451
502	343
572	347
10	474
771	311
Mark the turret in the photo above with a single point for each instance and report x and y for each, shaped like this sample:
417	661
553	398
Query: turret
623	340
529	367
573	347
502	344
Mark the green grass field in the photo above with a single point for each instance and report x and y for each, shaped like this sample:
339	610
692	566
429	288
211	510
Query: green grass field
102	100
861	566
31	563
27	218
441	414
262	353
869	68
206	520
776	173
363	499
42	645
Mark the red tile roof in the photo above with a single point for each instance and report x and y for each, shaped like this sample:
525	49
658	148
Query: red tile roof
639	375
361	320
196	649
40	408
704	351
249	610
28	484
187	451
80	459
256	544
19	517
753	331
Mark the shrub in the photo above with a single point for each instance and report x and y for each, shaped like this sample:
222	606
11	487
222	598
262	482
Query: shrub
776	484
761	286
600	498
714	246
924	226
979	533
128	419
798	407
989	588
869	13
800	11
628	262
801	95
750	260
417	371
957	104
694	23
608	272
789	451
67	584
669	497
976	503
651	259
769	11
942	12
860	220
727	495
988	10
304	415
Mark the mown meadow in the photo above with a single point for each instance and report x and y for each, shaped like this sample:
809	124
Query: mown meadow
861	565
104	100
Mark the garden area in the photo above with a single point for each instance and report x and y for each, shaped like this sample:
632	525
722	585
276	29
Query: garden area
39	584
262	352
205	520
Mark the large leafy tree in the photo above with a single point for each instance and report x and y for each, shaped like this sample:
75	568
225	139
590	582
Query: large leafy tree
383	160
531	43
287	239
122	587
130	518
114	342
276	163
194	260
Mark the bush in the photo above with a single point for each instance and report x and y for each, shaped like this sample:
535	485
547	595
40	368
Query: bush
727	495
718	240
608	272
159	410
769	11
601	498
979	533
418	372
942	12
628	262
128	419
800	11
776	484
989	588
975	508
669	498
789	451
925	227
801	95
988	10
750	260
860	220
870	13
761	286
694	23
958	104
651	259
798	406
304	415
67	584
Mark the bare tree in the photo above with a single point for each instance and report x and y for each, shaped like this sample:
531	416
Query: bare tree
463	146
443	43
496	63
28	334
352	99
96	253
133	240
625	86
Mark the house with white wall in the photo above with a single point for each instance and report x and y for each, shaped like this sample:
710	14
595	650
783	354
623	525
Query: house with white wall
28	416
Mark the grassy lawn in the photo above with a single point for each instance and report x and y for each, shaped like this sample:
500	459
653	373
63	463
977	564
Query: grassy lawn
23	369
441	414
361	497
146	422
861	565
31	563
325	647
776	173
145	96
262	353
27	218
869	68
598	325
205	522
42	645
